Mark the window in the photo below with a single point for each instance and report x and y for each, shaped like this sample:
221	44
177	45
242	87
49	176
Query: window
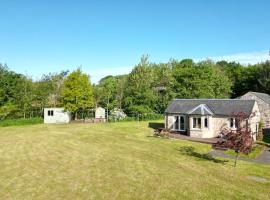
205	122
232	123
50	112
197	122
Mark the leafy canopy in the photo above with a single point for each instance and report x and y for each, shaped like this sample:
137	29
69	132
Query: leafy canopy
77	92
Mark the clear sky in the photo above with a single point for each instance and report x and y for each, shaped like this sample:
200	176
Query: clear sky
109	37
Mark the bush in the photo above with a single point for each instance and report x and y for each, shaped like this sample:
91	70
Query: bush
118	114
20	122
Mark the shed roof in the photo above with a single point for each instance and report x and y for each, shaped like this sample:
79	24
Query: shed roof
222	107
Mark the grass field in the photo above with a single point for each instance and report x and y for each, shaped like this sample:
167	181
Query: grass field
117	161
20	122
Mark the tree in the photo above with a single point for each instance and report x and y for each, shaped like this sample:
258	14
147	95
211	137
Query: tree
120	88
139	94
162	86
264	77
77	92
239	140
25	95
13	96
201	80
106	92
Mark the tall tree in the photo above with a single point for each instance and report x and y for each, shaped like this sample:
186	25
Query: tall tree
139	94
201	80
264	77
77	92
106	92
163	86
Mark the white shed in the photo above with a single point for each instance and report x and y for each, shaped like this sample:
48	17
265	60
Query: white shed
100	113
56	115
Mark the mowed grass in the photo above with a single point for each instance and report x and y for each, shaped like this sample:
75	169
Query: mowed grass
117	161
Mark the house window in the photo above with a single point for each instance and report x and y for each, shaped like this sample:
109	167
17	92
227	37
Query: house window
232	122
205	122
197	122
50	112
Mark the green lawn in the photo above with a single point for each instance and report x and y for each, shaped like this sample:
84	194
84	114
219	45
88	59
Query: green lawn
257	149
20	122
117	161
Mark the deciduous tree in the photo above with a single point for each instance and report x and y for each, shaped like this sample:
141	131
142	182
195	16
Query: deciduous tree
77	92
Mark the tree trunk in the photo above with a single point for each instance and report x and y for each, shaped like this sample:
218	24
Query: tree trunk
236	158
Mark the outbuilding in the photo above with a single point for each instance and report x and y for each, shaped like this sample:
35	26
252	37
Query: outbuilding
100	113
56	116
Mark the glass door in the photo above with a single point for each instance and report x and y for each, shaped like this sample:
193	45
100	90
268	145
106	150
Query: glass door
182	123
176	123
179	123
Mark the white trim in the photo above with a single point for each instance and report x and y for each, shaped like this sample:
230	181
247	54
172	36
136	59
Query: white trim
202	106
196	117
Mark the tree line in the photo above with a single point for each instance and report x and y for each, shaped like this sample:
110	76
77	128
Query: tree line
148	88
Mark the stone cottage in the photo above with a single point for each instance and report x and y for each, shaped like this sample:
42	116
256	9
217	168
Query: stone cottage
206	118
263	101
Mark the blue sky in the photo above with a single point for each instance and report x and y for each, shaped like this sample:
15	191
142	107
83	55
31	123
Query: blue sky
109	37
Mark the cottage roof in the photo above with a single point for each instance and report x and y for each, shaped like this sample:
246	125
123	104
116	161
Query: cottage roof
222	107
263	96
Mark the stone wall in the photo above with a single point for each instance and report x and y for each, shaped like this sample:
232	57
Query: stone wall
264	108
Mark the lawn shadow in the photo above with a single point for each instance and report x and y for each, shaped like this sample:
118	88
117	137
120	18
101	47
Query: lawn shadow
155	125
190	151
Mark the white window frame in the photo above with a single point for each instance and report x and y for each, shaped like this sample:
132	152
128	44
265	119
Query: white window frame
196	117
50	113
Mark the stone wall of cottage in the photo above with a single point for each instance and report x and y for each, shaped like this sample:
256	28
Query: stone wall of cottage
264	108
219	123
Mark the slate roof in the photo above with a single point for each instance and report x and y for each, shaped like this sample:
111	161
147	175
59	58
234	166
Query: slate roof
263	96
222	107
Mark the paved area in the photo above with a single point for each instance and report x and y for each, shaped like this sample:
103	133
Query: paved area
202	140
264	158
